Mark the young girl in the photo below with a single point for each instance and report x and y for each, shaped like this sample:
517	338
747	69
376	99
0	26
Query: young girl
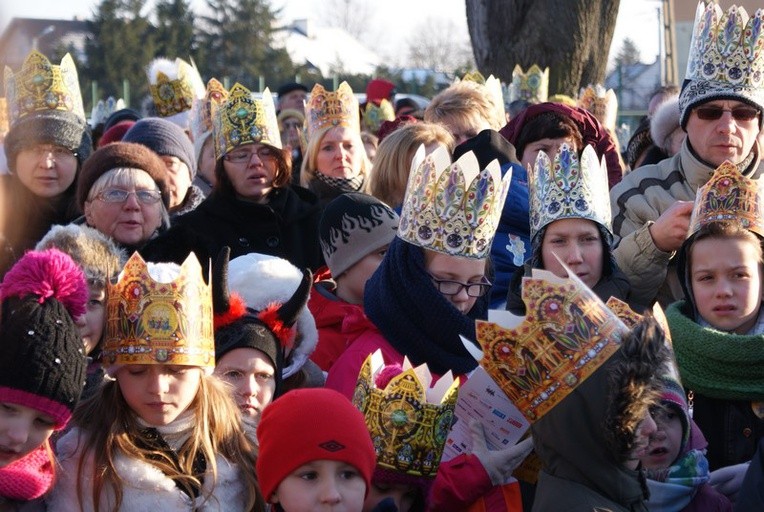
170	437
42	369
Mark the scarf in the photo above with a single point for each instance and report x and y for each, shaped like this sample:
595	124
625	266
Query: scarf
414	317
326	186
672	488
29	477
714	363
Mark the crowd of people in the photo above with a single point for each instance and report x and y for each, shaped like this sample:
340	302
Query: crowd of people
243	301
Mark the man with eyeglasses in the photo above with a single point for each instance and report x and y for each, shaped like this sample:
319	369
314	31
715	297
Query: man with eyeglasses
721	109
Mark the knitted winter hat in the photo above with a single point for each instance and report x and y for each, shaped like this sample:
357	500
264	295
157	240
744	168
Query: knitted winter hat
42	358
125	114
291	86
352	226
121	154
311	424
672	395
664	122
164	138
115	133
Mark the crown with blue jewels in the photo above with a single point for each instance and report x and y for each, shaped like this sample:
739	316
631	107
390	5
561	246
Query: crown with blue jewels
40	87
329	109
374	116
568	188
408	420
453	208
244	119
601	103
532	86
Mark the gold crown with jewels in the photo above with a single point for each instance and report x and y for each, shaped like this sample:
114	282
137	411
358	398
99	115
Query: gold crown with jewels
729	196
152	322
201	119
374	116
532	86
453	208
601	103
408	420
244	119
329	109
174	85
40	87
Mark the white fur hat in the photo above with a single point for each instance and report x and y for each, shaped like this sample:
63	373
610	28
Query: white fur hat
664	122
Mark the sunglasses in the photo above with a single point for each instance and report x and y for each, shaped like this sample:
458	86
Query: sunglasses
711	113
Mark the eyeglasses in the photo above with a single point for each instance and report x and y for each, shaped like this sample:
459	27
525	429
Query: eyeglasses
116	195
244	155
57	153
711	113
448	287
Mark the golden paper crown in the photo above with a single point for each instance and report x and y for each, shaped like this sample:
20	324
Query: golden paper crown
453	208
325	108
373	115
408	421
149	322
201	121
41	87
244	119
601	103
4	121
175	85
729	196
567	333
568	188
532	86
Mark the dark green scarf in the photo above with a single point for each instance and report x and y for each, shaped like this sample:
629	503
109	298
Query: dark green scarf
715	363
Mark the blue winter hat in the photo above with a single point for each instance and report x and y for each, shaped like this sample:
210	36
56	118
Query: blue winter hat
163	138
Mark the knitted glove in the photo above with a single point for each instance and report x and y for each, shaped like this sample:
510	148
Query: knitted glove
499	464
729	479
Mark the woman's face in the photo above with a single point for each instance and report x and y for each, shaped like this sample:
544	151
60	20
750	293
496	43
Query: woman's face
207	161
548	146
252	375
340	153
251	169
130	222
22	430
465	271
45	169
578	244
159	393
178	179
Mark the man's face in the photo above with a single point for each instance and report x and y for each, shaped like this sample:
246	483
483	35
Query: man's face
293	100
722	130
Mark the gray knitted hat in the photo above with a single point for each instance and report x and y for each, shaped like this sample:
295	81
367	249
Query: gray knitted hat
163	138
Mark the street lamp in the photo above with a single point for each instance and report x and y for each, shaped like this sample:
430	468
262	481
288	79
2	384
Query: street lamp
44	32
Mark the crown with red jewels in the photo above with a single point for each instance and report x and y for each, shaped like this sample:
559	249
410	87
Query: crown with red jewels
532	86
243	118
152	322
408	420
601	103
329	109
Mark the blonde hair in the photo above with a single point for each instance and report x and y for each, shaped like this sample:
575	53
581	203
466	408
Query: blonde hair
392	165
464	100
310	159
112	428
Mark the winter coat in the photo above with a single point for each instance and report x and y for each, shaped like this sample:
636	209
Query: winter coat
7	505
751	495
286	227
145	488
638	200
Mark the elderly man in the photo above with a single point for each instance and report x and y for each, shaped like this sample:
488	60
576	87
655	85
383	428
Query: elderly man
721	108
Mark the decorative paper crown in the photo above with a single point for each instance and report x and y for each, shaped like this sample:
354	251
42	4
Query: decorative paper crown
103	109
567	333
174	86
408	421
453	208
244	119
4	121
201	118
727	47
41	87
325	108
568	188
601	103
149	322
532	86
493	85
373	115
729	196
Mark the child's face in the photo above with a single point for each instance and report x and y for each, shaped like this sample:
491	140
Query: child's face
444	267
664	445
726	283
158	393
91	324
577	243
403	495
322	485
642	437
22	430
252	376
351	283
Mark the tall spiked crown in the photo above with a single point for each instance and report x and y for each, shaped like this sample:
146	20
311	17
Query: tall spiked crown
103	109
153	322
567	333
175	85
493	85
201	115
726	58
326	108
374	116
601	103
41	87
729	196
453	208
244	119
568	188
532	86
408	420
